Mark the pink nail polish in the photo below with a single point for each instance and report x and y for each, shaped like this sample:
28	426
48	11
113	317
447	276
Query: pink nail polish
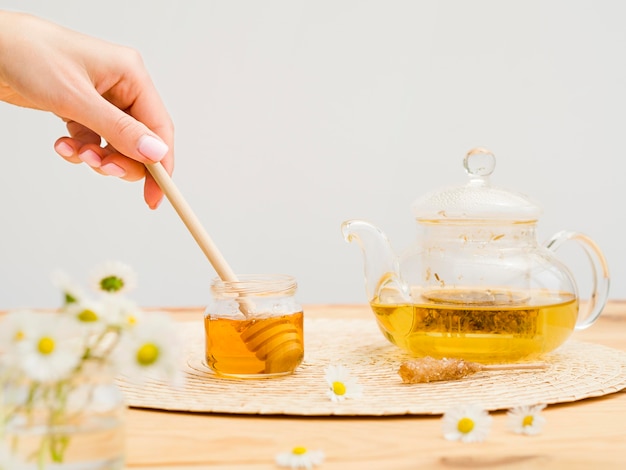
152	148
91	158
63	149
112	169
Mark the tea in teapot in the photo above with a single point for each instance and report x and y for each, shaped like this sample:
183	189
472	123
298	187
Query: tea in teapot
476	284
483	331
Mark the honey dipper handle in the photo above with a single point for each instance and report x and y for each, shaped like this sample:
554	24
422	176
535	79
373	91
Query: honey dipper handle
194	226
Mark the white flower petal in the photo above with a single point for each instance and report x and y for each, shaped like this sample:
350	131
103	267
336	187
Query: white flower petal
69	288
121	311
106	397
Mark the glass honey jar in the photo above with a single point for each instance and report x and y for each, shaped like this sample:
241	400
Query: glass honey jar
254	327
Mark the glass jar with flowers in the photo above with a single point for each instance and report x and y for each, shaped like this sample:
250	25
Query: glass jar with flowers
60	407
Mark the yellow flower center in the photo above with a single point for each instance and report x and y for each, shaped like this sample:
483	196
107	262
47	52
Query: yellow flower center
87	316
147	354
339	388
528	420
131	320
46	345
19	336
299	450
465	425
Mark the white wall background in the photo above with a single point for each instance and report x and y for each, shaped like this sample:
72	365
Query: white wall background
293	116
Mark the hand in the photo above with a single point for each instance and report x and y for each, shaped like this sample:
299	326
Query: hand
101	90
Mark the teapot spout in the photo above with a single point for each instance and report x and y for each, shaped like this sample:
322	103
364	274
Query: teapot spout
381	263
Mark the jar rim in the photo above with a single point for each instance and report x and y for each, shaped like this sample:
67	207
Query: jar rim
249	284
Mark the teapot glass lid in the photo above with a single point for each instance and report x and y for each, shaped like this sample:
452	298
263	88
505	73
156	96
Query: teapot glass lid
477	200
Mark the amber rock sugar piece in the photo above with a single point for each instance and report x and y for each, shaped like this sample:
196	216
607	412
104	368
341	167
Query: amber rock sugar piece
428	369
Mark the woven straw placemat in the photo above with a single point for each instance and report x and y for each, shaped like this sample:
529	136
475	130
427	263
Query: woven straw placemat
575	371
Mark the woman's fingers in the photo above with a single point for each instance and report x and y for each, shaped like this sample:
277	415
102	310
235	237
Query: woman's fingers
67	147
105	161
83	134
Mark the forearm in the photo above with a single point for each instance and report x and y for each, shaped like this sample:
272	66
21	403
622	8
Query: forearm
14	55
6	30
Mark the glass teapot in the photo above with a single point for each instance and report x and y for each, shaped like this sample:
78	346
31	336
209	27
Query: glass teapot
476	284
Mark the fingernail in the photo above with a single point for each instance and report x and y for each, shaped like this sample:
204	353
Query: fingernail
64	149
91	158
112	169
152	148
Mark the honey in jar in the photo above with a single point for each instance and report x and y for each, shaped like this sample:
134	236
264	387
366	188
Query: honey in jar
263	339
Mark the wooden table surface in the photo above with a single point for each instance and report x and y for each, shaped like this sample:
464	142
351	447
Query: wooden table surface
587	434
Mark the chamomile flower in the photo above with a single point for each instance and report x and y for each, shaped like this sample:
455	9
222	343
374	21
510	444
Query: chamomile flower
114	277
89	315
341	384
50	350
122	312
71	291
467	423
300	457
526	419
151	350
93	320
15	327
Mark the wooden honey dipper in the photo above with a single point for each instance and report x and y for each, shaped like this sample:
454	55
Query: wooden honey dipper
277	343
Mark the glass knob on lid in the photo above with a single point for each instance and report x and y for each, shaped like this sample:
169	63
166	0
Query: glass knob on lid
477	200
479	164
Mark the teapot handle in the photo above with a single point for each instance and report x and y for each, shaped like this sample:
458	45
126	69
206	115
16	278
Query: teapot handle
600	270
